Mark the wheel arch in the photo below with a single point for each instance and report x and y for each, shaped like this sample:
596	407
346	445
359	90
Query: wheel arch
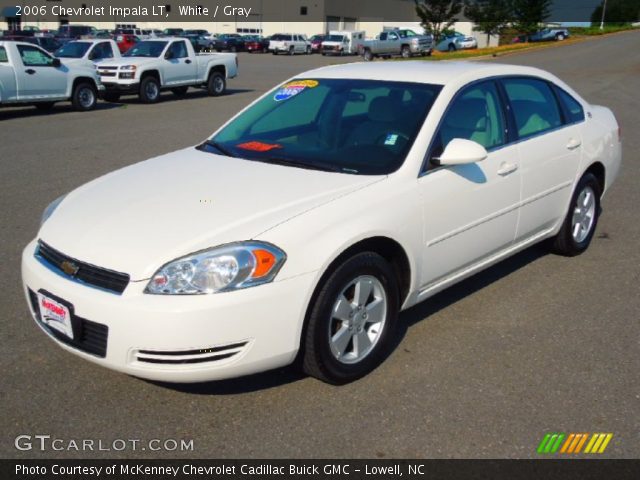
217	68
81	79
388	248
152	73
599	171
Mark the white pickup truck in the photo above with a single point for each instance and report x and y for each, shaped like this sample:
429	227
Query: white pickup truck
30	75
165	64
88	51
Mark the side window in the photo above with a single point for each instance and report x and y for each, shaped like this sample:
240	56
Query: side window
383	36
178	50
534	106
573	109
3	55
475	114
393	36
34	57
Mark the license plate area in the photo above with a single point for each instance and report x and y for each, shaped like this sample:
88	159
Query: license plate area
55	314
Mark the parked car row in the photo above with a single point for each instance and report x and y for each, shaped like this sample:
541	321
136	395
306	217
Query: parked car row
83	70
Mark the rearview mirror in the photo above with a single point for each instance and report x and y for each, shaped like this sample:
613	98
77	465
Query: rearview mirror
460	151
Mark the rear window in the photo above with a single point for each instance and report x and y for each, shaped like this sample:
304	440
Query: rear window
534	105
3	55
573	109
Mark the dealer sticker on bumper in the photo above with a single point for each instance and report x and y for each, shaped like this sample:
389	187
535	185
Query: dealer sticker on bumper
55	315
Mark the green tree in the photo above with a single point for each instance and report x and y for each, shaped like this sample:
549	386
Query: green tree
438	15
618	12
490	16
529	14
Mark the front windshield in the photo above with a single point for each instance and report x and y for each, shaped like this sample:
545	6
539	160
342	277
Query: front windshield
352	126
146	49
334	38
73	50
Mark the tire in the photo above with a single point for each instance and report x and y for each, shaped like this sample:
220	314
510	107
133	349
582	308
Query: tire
180	91
308	51
321	355
84	97
560	37
405	52
111	97
584	210
216	85
367	55
44	106
149	90
275	52
292	51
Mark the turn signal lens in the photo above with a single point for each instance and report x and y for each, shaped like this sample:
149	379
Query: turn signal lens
265	261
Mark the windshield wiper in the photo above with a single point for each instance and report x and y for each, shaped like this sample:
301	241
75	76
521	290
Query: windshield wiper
217	146
290	162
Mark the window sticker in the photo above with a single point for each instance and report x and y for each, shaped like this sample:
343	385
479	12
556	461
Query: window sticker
391	139
292	89
259	146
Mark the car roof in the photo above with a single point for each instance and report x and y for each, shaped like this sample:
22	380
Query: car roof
438	73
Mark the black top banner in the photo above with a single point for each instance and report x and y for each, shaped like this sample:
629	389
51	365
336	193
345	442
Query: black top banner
252	11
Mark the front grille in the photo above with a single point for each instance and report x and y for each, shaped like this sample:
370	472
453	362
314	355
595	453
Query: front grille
86	273
89	337
182	357
106	74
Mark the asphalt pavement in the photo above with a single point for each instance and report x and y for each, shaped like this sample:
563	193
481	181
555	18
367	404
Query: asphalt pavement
538	343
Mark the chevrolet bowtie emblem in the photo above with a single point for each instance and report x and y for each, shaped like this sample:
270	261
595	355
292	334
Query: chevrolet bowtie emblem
69	268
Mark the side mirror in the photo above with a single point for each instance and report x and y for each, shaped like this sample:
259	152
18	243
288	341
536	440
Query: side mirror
56	63
168	55
460	152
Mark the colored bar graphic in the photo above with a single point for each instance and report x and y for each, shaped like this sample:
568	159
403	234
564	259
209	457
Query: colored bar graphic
581	443
573	443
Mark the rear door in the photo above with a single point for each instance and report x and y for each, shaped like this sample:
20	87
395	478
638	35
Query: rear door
550	149
39	79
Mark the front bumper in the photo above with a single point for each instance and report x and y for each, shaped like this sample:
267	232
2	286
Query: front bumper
420	48
111	86
182	339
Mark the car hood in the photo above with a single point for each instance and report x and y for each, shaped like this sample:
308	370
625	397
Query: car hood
78	62
138	218
138	61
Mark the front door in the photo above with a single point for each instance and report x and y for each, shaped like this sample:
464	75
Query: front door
469	212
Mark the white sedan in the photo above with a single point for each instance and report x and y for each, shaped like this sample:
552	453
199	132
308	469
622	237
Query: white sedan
305	224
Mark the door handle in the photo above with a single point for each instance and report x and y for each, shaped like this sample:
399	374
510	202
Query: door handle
187	61
573	144
507	168
30	71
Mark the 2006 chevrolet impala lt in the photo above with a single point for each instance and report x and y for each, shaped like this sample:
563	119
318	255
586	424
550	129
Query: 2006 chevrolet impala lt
302	227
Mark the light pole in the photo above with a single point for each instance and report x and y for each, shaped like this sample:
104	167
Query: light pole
604	9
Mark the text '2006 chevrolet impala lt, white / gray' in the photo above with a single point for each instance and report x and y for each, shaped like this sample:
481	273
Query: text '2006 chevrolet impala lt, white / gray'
306	223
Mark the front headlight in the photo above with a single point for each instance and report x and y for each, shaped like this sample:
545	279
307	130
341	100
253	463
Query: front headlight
51	208
229	267
132	68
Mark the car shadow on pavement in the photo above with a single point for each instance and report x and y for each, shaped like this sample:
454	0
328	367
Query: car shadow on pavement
234	386
408	318
24	111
